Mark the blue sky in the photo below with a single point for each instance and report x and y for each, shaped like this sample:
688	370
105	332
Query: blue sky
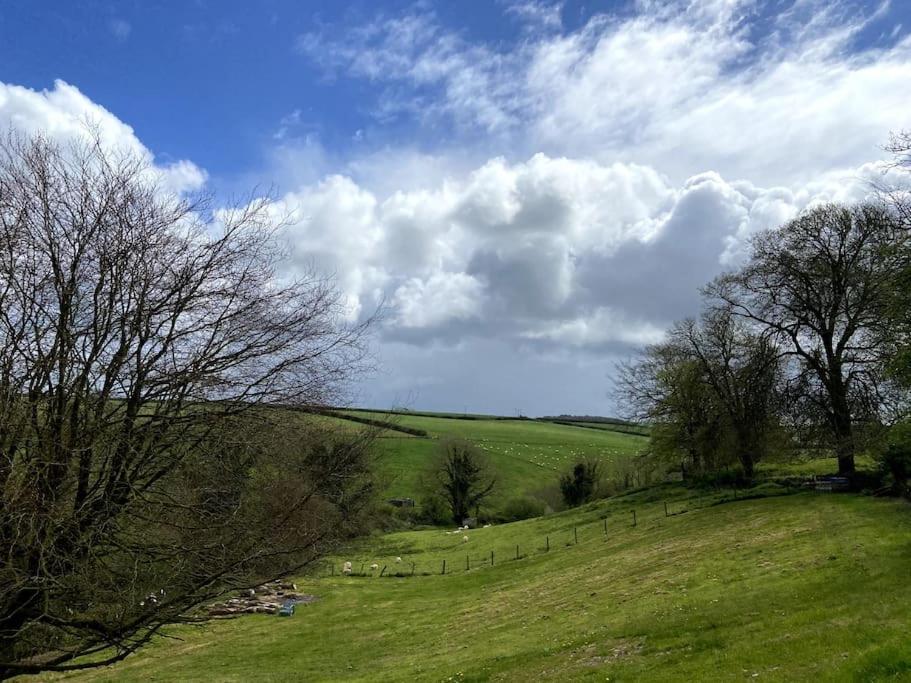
535	189
190	75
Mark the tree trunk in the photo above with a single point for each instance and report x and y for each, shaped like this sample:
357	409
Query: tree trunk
842	423
745	443
845	452
746	462
844	441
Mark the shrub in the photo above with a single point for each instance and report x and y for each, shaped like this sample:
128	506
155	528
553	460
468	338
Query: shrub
523	507
434	510
895	458
580	485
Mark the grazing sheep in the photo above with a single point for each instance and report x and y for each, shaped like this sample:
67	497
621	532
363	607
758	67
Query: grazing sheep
374	567
346	568
398	559
464	539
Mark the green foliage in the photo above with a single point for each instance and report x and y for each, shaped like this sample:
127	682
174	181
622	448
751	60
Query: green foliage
580	485
895	458
434	510
519	508
712	390
688	430
527	455
462	477
819	286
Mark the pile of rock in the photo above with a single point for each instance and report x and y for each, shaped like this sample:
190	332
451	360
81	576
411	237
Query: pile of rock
265	599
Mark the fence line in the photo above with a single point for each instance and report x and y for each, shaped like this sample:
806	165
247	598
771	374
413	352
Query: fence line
488	560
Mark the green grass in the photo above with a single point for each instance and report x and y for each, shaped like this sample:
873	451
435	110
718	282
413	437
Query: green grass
784	588
808	466
526	455
641	430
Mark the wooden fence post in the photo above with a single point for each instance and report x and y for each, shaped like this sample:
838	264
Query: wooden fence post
605	526
383	571
467	565
491	558
547	540
665	509
517	551
634	518
412	568
576	535
444	567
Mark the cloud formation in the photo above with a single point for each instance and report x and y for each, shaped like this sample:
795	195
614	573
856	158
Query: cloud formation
573	187
63	113
774	92
548	251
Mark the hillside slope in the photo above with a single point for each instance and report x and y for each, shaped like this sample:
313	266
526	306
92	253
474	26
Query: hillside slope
796	587
525	454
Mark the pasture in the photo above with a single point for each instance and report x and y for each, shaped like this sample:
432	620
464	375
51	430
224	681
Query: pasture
527	455
779	588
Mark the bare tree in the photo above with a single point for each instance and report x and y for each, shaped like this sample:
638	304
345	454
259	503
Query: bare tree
143	340
816	285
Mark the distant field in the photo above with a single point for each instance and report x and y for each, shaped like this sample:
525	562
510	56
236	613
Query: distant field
430	413
606	426
526	454
791	588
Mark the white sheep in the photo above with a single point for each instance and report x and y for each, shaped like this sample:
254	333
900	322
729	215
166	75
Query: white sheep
346	568
374	567
398	559
464	539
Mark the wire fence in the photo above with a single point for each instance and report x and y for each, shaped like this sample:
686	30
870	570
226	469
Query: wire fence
458	563
449	562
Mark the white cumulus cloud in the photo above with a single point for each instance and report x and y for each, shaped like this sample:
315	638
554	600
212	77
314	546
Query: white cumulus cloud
63	113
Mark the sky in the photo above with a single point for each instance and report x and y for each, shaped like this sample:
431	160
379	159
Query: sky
529	190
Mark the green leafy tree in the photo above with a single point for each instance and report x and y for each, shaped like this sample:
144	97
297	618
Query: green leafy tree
895	457
581	484
462	476
667	388
742	372
818	286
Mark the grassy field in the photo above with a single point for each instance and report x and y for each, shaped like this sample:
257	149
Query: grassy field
527	455
793	587
607	426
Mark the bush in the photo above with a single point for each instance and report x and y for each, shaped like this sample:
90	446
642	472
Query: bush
580	485
895	458
434	510
725	477
523	507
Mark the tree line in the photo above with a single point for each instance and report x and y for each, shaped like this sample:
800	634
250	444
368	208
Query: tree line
803	348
